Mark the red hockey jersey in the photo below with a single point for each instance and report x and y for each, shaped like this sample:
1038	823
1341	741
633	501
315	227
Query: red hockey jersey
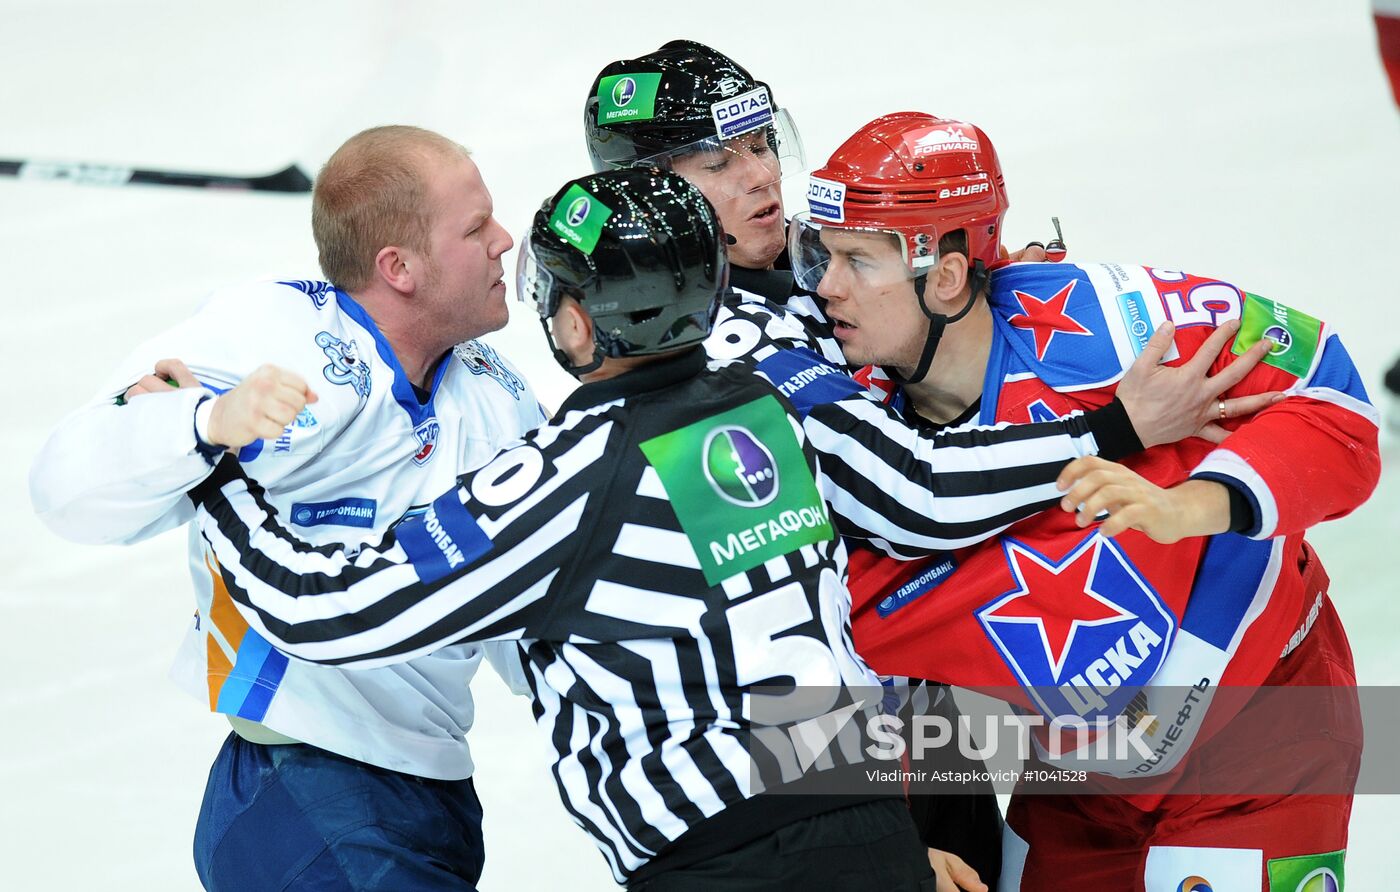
1078	624
1387	14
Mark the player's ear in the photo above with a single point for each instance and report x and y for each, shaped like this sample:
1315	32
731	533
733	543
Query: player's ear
948	278
395	266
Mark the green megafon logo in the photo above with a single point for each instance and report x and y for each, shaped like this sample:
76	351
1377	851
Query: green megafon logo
1281	337
579	218
623	91
578	210
1320	880
740	468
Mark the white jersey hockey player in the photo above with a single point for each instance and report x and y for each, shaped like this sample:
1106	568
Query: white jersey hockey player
366	455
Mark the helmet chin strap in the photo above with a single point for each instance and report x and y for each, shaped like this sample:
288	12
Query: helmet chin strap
563	358
937	322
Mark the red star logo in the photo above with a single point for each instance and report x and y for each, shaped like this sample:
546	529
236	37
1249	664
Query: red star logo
1046	318
1056	597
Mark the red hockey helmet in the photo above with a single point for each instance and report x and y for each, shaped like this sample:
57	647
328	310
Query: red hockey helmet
910	174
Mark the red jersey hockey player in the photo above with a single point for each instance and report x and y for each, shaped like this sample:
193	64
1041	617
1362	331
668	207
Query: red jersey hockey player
902	242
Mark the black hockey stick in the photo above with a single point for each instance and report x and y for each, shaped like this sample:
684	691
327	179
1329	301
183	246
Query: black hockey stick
289	179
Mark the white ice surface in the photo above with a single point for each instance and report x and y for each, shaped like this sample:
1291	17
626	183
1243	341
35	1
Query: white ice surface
1253	140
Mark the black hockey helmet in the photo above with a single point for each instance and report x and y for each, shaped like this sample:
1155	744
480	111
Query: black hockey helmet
683	97
640	249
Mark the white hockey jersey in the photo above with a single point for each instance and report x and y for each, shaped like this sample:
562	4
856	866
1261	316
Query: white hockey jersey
366	455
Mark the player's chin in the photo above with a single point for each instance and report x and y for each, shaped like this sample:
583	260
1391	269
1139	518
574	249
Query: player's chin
498	316
856	355
492	312
756	247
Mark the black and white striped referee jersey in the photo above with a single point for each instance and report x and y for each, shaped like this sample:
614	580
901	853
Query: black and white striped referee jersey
665	545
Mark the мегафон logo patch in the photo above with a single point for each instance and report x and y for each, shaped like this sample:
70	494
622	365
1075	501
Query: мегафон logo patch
740	468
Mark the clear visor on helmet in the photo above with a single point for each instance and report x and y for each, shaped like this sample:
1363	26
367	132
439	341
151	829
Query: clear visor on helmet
746	162
857	256
533	283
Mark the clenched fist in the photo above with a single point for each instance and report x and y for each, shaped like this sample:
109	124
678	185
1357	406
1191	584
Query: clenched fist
259	408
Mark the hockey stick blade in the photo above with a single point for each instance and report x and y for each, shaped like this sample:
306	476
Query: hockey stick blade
290	179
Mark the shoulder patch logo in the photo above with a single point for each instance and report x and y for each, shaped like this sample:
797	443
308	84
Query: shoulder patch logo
1046	318
1320	880
345	366
1323	872
483	360
1296	336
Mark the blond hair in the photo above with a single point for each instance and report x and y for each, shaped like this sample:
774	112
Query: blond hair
371	194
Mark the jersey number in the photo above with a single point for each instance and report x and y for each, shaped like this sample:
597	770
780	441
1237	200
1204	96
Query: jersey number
763	654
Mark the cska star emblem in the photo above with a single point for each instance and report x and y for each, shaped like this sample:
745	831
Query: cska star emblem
1054	598
1082	633
1046	318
